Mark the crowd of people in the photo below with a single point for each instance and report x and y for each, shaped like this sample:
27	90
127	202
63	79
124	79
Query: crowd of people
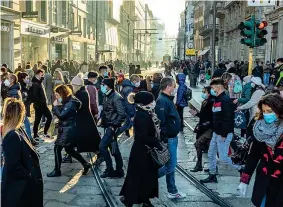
153	106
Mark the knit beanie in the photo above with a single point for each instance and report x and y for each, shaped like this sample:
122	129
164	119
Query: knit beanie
77	80
110	82
143	98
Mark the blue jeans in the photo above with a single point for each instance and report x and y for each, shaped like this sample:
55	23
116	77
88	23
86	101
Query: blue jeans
169	168
266	77
103	148
27	127
217	144
126	126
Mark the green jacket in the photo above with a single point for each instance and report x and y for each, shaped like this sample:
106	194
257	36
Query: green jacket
246	93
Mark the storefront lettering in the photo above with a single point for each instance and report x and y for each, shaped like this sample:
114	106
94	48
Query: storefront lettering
58	39
5	28
36	30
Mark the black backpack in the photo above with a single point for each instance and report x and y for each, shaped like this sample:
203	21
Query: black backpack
188	94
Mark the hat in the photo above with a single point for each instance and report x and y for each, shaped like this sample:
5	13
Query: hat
247	79
257	81
109	82
143	98
77	81
92	75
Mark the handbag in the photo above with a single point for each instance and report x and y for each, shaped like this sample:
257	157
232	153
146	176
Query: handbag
159	156
240	120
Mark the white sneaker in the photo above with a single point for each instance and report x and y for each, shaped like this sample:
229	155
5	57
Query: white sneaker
46	136
176	195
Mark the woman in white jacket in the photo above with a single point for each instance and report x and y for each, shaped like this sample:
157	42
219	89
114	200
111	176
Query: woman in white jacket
257	93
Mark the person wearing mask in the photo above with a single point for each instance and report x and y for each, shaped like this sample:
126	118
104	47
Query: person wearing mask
219	71
37	96
266	154
102	74
155	85
14	87
181	101
222	127
203	129
170	126
141	182
65	108
22	183
93	94
257	93
112	118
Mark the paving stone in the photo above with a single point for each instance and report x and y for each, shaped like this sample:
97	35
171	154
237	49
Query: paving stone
89	200
57	196
57	204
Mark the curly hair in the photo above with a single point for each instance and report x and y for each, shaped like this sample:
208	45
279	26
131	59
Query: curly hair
275	102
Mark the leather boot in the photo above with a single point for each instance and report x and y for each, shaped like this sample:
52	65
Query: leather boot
87	166
54	173
198	167
210	179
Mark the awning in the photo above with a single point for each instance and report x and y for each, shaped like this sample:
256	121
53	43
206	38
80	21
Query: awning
203	52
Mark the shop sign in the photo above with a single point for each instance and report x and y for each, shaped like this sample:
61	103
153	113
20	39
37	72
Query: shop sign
76	32
58	39
28	15
31	28
190	52
76	46
5	28
36	30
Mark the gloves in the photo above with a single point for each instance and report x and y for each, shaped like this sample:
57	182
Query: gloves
243	188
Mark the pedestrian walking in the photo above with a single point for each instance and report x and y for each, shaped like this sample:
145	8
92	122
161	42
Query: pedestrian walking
65	108
170	126
203	129
266	154
112	118
102	74
22	183
141	182
93	94
223	129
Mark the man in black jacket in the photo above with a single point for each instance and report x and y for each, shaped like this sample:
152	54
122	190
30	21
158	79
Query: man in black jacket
37	96
222	127
170	127
113	116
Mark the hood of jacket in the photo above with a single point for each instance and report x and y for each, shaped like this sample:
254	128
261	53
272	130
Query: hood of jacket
181	78
127	82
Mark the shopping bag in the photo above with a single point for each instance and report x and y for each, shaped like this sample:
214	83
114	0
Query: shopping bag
240	120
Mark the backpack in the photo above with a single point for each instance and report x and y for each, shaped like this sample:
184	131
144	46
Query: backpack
188	94
238	86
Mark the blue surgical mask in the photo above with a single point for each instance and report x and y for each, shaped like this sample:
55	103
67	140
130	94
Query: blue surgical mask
60	100
212	91
204	95
103	89
269	117
105	74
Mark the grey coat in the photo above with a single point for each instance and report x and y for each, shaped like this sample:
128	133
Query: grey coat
47	82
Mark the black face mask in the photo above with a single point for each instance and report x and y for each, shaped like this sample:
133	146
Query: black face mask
42	78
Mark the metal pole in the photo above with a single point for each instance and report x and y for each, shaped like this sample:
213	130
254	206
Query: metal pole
128	46
96	31
185	34
213	37
133	45
250	61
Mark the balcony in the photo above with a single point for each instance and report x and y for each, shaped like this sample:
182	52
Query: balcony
220	11
207	29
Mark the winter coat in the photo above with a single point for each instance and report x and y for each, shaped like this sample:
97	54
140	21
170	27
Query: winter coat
14	91
252	103
223	115
127	89
113	110
38	92
93	97
155	90
47	82
167	113
246	93
244	70
182	89
22	183
87	138
141	182
67	114
258	71
100	94
268	179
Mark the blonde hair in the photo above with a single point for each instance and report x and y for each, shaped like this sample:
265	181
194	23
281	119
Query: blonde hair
14	114
131	98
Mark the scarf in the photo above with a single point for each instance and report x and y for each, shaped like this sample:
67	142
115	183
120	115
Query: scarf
154	118
268	133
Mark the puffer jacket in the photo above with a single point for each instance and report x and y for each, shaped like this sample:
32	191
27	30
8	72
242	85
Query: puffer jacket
67	114
14	91
181	101
113	110
246	93
126	90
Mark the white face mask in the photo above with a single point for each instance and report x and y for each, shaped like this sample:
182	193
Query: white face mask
174	92
137	84
7	82
95	82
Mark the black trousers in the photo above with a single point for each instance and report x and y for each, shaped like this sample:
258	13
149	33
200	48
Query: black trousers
71	151
39	111
181	114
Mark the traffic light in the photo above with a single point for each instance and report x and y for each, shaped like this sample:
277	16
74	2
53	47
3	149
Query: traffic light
248	31
260	31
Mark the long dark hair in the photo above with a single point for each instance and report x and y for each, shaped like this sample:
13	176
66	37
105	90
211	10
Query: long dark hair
275	102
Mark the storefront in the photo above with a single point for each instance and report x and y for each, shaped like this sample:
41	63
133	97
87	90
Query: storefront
90	52
77	51
59	48
7	43
35	41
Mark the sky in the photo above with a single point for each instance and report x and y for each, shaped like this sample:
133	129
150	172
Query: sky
168	11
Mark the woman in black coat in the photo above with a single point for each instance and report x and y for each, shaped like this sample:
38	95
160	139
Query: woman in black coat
22	184
66	113
141	182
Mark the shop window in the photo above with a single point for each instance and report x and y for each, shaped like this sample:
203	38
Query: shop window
54	10
80	24
84	27
64	13
72	21
88	29
43	11
29	6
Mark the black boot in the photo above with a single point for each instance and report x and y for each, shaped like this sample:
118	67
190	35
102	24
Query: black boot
198	167
108	174
67	159
210	179
147	204
87	166
54	173
99	160
119	173
123	200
